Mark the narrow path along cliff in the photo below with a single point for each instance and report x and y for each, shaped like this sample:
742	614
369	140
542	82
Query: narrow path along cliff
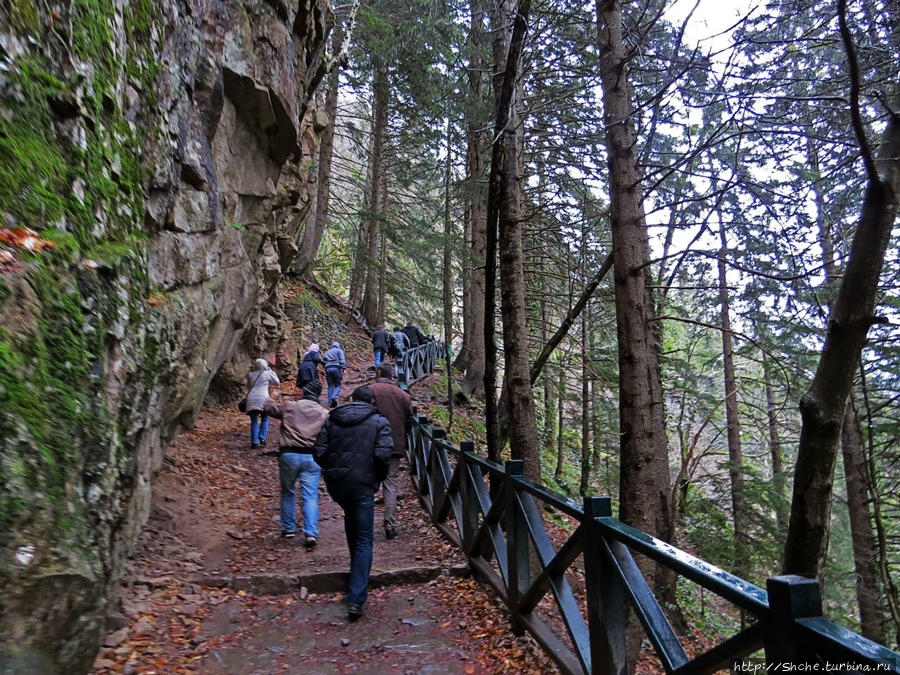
213	588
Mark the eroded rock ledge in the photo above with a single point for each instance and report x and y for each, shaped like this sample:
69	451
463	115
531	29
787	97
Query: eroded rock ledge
164	148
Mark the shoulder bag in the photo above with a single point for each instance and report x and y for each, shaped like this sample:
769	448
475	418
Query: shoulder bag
242	404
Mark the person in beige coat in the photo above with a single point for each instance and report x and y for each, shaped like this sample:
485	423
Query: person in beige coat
396	405
300	423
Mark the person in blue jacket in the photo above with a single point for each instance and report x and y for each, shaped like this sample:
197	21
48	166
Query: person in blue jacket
335	365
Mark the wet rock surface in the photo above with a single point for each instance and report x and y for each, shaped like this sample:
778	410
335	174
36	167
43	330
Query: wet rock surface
163	147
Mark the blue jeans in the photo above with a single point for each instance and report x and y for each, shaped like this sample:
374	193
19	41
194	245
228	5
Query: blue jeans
290	466
259	426
359	523
379	356
334	377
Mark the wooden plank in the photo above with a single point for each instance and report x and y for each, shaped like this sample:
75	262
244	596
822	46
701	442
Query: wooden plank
722	655
517	550
560	563
734	589
559	586
838	644
655	623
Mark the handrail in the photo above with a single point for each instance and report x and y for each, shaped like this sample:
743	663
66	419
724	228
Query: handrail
489	511
416	363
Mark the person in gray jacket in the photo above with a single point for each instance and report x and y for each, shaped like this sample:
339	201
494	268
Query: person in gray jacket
335	365
259	381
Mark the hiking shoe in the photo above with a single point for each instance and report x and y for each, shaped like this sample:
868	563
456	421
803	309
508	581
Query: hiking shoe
390	533
354	611
254	446
262	442
287	535
311	541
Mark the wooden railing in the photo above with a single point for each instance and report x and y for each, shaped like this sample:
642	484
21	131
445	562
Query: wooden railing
493	513
418	362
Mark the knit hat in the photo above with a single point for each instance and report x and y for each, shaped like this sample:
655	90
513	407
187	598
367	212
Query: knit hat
312	348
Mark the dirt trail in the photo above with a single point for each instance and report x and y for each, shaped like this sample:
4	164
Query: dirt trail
213	588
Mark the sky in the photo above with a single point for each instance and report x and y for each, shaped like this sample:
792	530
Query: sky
710	18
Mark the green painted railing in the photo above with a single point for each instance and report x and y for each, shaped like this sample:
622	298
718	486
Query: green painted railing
492	513
416	363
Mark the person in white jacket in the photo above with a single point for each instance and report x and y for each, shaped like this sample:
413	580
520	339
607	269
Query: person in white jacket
259	381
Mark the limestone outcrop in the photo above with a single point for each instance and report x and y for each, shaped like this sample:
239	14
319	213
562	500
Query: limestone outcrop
163	148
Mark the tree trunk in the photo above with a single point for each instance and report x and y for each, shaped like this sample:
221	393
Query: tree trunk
596	431
891	592
447	272
869	598
868	594
382	274
358	273
315	228
513	309
822	407
644	480
735	459
779	480
476	198
561	408
507	49
461	362
379	127
584	485
549	413
548	434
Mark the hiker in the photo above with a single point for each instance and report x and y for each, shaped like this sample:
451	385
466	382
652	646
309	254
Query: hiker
300	424
335	365
379	344
259	380
309	367
396	406
354	450
399	343
413	334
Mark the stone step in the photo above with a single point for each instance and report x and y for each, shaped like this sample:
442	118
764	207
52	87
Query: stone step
329	581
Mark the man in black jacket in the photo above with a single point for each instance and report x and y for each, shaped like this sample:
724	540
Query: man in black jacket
414	334
354	450
379	344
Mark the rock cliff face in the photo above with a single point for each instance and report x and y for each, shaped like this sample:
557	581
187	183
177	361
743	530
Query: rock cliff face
163	148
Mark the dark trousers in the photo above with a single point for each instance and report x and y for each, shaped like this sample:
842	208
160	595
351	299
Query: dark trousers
359	523
334	377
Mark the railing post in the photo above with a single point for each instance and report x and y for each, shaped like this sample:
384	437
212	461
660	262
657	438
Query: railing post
469	526
516	545
425	458
411	440
435	472
605	594
791	597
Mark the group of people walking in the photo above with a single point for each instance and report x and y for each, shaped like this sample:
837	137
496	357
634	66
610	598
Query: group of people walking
396	343
358	446
334	362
